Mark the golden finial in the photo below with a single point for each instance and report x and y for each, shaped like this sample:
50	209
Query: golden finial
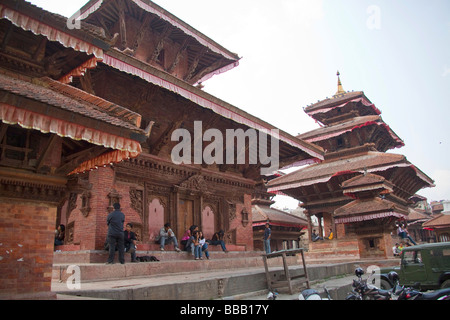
340	88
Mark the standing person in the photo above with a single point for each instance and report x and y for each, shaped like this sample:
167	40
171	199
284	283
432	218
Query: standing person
166	235
267	235
115	222
217	239
129	238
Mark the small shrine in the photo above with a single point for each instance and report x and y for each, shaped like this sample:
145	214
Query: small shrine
286	228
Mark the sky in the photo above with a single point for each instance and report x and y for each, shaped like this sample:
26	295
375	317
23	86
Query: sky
397	52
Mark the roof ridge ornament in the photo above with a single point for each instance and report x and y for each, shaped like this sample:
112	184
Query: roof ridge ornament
340	89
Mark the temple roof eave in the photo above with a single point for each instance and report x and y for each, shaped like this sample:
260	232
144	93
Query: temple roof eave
215	58
151	7
324	171
262	214
116	59
343	127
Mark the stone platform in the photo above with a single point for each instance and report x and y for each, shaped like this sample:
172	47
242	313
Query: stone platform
178	276
169	262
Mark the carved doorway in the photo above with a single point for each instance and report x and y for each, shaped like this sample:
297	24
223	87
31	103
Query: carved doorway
185	217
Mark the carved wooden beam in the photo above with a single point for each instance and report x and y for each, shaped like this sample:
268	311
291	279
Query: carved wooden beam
122	23
200	74
165	137
3	129
103	24
39	54
160	44
78	158
194	64
86	82
140	34
7	36
178	55
48	148
55	62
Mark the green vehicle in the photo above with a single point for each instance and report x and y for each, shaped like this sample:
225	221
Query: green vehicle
425	264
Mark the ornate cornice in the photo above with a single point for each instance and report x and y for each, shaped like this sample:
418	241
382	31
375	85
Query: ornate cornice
29	190
140	169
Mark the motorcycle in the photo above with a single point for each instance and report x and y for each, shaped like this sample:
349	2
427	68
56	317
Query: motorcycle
313	294
364	290
407	293
414	294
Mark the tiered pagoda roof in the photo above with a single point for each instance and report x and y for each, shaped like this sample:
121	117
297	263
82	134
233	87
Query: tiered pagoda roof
355	139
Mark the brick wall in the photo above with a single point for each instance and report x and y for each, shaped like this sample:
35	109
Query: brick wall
27	233
91	230
244	234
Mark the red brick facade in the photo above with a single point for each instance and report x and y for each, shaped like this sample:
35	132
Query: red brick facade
26	237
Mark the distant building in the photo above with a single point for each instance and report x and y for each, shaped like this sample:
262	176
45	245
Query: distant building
440	223
286	228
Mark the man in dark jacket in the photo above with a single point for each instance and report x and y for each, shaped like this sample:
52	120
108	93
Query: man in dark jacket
115	222
130	241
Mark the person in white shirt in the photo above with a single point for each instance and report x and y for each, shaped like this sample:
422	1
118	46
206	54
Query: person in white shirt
203	245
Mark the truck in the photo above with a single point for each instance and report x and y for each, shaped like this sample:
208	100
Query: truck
426	266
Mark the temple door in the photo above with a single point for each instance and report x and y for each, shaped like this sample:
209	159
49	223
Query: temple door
185	217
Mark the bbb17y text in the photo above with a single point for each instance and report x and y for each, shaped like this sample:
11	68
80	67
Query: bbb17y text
228	309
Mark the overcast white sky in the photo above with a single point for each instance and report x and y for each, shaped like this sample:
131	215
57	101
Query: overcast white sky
397	52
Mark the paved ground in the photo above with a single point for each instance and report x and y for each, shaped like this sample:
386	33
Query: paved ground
338	286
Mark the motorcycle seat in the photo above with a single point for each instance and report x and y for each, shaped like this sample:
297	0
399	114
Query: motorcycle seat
434	295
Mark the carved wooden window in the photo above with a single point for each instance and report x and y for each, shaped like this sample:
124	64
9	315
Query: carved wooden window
85	203
16	145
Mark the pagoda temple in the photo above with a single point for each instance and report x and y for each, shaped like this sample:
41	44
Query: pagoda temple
360	189
88	109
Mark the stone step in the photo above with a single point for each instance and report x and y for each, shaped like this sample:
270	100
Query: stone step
101	256
170	263
198	280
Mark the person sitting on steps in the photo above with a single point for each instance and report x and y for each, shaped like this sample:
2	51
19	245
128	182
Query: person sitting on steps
129	238
217	239
166	235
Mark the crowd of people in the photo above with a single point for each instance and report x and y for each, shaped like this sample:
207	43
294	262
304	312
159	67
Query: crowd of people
125	240
193	240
